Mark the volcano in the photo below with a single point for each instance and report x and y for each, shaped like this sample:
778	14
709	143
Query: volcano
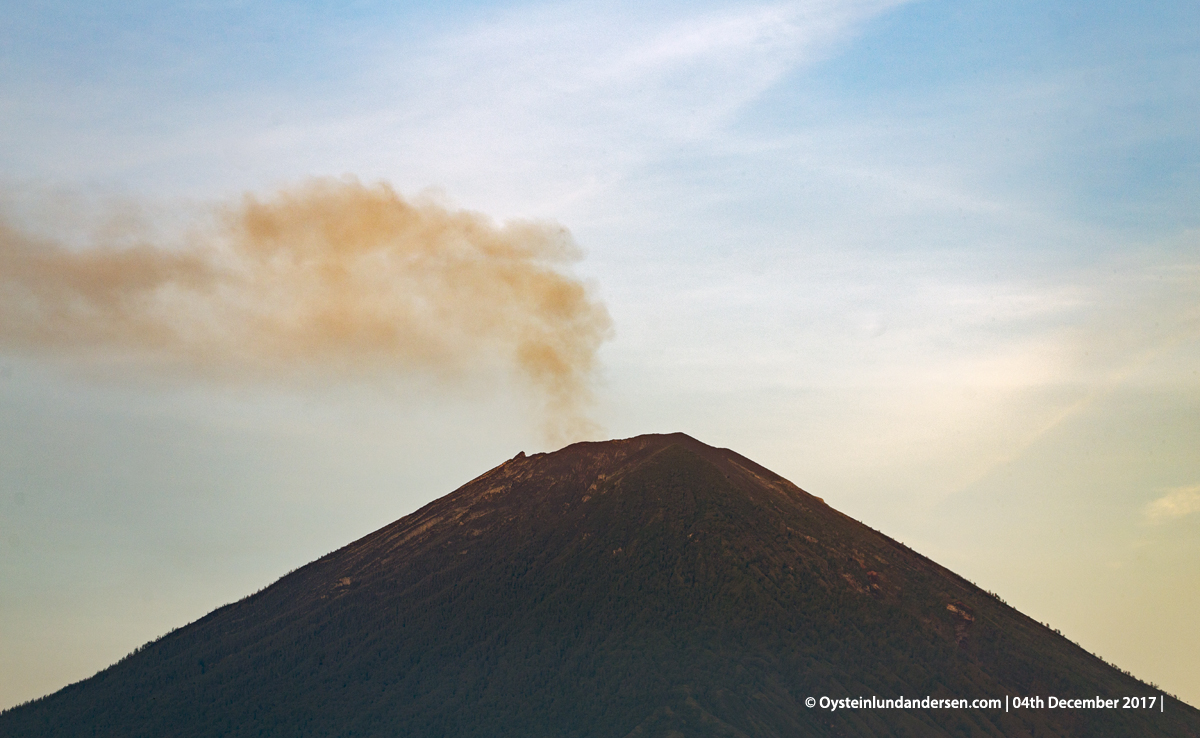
653	586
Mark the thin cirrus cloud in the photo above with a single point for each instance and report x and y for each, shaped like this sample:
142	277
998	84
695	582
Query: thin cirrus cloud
541	107
1177	503
529	106
625	85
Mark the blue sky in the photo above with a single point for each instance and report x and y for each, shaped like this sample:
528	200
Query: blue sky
935	262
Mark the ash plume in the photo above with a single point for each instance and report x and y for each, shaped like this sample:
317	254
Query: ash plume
333	278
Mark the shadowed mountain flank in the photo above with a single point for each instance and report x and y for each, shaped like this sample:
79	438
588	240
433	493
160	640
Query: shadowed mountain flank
652	586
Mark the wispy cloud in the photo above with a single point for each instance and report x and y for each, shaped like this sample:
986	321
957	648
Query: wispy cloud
552	102
1177	503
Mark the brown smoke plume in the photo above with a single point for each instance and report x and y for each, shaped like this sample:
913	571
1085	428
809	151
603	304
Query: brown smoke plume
334	277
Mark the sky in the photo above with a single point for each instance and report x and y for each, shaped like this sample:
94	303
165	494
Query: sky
936	262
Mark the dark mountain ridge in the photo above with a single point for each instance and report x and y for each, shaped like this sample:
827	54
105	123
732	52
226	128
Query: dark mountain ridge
652	586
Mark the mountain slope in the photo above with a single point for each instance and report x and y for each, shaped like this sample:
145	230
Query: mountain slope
653	586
